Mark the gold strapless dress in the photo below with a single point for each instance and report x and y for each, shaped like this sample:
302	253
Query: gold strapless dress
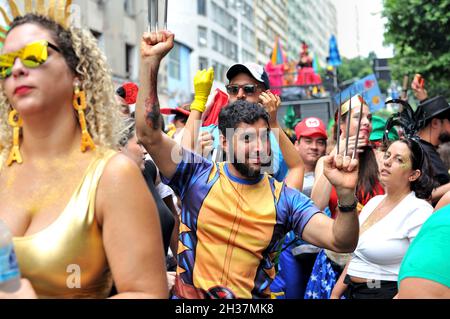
67	259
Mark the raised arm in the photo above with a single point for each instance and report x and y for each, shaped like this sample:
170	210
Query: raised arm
418	87
164	151
321	190
340	235
294	162
203	81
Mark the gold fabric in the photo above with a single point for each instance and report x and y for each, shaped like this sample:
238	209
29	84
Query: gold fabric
67	259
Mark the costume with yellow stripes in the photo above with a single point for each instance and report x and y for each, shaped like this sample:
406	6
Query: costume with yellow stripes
231	228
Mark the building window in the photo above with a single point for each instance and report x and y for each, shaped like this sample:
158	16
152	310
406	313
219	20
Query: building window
130	58
201	7
224	46
203	63
129	8
223	18
261	46
175	62
202	37
100	40
247	56
220	71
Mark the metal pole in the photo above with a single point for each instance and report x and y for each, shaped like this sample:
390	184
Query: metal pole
338	133
152	15
359	127
349	117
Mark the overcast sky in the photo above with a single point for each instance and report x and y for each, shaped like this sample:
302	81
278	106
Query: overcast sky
369	23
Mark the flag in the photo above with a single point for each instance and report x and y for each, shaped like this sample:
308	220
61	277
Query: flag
368	88
334	57
220	101
277	53
316	65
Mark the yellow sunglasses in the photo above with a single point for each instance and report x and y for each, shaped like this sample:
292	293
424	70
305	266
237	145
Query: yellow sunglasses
32	56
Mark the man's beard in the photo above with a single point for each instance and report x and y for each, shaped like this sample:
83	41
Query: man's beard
250	172
246	170
444	137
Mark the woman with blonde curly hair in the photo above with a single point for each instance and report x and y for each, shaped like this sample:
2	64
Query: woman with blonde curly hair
81	217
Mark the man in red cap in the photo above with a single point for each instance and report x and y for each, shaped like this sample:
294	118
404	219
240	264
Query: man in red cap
179	122
311	145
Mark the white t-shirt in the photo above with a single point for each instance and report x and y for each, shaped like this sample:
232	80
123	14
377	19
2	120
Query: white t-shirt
381	248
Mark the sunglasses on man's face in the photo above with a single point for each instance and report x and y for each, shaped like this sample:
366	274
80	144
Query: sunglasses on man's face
32	56
249	89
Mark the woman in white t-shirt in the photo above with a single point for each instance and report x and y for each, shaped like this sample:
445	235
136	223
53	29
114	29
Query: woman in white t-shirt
388	224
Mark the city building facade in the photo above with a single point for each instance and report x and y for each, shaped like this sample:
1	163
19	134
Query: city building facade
209	33
312	21
271	24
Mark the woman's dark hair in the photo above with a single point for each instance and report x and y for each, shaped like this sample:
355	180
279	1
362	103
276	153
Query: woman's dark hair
61	36
368	168
424	185
241	112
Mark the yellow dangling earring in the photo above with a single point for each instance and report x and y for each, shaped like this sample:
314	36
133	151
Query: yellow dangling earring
79	103
15	121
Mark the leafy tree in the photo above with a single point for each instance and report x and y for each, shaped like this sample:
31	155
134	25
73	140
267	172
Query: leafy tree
419	31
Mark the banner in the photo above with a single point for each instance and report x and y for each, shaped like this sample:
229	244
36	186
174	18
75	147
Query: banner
368	88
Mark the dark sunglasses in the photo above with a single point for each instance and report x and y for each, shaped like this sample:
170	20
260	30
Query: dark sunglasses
249	89
32	56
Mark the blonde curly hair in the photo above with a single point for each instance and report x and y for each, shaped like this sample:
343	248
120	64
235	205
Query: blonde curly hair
83	56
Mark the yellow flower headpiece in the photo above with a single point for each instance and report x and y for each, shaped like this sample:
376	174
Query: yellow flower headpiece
57	10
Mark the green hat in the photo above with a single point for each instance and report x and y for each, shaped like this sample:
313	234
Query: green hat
378	124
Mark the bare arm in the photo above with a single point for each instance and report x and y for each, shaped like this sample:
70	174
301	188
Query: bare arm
174	238
418	87
438	194
340	235
293	160
132	236
164	151
203	81
418	288
321	190
340	287
191	130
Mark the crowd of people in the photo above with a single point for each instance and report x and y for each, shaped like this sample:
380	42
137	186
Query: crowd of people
230	210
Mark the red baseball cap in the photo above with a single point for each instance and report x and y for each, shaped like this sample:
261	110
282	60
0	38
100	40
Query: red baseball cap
311	126
182	110
128	92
